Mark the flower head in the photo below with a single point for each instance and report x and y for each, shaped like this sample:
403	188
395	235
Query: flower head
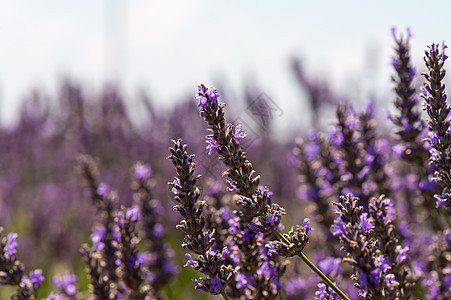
203	102
239	135
11	245
271	248
190	261
133	214
66	283
36	277
142	172
216	284
213	94
211	147
338	228
366	223
307	226
271	219
52	296
102	189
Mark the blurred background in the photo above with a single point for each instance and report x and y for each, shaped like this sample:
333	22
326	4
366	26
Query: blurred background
116	79
168	47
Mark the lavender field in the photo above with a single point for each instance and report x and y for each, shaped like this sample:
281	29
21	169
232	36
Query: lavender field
195	203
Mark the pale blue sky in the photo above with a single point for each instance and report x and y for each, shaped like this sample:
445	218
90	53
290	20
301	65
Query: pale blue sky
169	47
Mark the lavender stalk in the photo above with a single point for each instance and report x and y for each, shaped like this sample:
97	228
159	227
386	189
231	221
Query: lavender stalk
187	194
253	202
438	123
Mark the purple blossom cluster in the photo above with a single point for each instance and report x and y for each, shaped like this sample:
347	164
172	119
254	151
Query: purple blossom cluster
371	218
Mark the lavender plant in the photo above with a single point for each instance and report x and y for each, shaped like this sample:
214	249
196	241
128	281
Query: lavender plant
101	258
371	268
253	202
438	123
186	194
160	266
12	271
408	120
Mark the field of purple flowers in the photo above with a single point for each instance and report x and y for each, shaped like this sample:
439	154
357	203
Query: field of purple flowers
94	205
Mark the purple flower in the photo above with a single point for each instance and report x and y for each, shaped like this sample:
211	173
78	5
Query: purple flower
230	185
158	230
401	254
248	234
11	245
374	276
426	185
239	135
102	188
394	61
434	137
213	94
66	283
212	147
224	252
216	284
36	277
233	223
243	280
440	201
174	190
98	233
336	138
365	222
132	260
203	102
444	57
52	296
330	265
384	262
253	227
362	278
198	285
142	172
324	292
206	238
389	278
398	150
190	261
133	213
393	32
424	91
271	248
338	228
405	124
409	33
144	258
271	219
307	226
447	235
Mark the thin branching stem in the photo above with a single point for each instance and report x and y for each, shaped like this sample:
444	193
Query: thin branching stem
315	269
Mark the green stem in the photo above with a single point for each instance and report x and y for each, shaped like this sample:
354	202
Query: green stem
281	295
420	170
224	295
315	269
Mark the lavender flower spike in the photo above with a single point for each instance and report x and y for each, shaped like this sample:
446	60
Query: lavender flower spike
438	123
186	194
11	269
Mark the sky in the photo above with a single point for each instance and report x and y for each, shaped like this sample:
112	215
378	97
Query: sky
169	47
